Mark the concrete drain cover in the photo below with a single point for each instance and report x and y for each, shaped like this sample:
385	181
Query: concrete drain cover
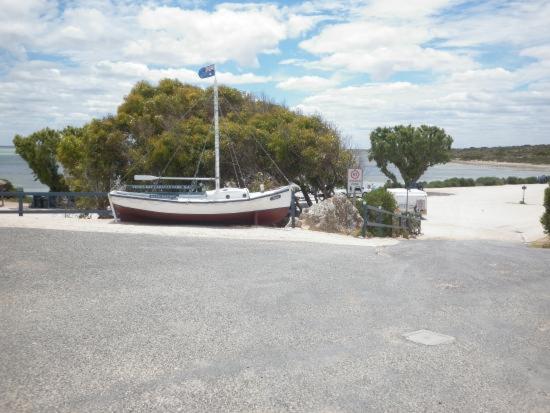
429	338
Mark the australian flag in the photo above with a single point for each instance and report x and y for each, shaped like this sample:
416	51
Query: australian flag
207	71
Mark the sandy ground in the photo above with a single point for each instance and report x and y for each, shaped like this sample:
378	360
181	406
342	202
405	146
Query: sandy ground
491	212
59	222
480	213
534	166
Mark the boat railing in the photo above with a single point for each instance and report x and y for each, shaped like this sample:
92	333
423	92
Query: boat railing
157	188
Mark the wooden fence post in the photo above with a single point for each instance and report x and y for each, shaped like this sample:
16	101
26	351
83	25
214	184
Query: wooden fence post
293	209
365	219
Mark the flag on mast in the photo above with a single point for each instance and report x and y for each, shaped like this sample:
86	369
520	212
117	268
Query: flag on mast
207	71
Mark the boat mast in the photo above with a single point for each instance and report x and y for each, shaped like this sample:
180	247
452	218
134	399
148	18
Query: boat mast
216	134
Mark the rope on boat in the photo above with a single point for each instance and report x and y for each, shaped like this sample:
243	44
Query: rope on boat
143	157
261	146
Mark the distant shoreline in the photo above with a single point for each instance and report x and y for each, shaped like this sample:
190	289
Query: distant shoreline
496	164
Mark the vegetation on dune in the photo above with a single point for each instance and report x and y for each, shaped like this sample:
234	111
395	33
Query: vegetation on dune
545	219
535	154
411	149
483	181
167	130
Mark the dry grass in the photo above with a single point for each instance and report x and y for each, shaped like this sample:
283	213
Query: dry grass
541	243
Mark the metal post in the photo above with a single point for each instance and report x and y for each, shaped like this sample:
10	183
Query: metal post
20	201
293	209
216	134
379	220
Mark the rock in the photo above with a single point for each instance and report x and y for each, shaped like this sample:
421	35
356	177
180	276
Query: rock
336	214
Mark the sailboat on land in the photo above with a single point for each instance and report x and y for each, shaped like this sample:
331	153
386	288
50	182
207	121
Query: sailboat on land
221	205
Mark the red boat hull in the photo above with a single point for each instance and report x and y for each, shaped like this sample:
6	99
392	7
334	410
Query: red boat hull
266	217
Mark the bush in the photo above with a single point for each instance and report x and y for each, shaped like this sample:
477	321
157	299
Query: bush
489	181
6	186
451	182
545	219
379	198
485	181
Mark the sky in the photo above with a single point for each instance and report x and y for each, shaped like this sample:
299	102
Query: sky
480	70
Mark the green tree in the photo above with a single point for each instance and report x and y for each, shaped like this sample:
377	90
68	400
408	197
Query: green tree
93	156
545	219
167	130
411	149
39	150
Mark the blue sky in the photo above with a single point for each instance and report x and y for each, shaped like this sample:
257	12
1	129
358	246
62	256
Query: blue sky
481	70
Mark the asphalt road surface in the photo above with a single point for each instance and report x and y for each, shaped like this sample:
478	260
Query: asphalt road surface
120	322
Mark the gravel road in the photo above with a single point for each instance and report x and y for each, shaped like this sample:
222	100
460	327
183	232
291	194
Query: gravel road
125	322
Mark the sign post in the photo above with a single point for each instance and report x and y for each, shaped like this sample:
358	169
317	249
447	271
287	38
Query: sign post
355	180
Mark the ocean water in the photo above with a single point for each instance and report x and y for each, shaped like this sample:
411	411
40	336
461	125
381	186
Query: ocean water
15	169
371	173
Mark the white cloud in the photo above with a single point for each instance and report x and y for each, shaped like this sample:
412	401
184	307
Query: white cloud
514	23
140	71
474	106
231	32
399	9
91	53
307	83
382	47
65	63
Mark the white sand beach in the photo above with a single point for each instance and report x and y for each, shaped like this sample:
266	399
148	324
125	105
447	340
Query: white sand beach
485	212
477	213
545	168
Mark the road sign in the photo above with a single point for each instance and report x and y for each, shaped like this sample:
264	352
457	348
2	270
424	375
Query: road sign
355	179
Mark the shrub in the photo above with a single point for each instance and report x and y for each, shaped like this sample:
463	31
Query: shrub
545	219
6	186
451	182
489	181
379	198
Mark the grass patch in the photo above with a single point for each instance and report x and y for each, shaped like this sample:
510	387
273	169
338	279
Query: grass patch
541	243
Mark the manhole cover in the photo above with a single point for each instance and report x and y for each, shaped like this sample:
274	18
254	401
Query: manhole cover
429	338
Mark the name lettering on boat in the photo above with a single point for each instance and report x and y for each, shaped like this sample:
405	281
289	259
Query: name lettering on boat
274	197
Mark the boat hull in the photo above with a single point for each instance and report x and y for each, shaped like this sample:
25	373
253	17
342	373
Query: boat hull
269	208
267	217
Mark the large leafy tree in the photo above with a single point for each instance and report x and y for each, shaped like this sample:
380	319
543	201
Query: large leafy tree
39	150
167	130
93	156
412	150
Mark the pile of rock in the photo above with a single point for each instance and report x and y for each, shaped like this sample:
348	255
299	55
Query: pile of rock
336	214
